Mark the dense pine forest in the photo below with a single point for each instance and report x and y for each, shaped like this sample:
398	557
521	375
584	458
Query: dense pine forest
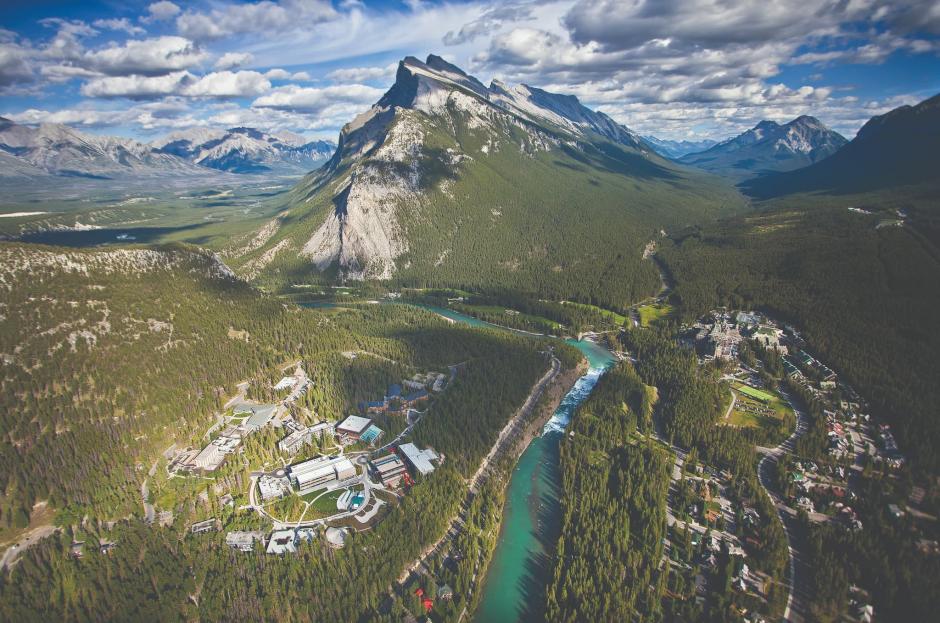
860	284
613	510
166	574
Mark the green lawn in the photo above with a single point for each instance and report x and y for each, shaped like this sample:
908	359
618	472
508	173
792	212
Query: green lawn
775	407
653	312
327	503
614	317
756	393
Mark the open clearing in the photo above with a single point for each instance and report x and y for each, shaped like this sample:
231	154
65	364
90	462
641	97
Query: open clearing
756	408
653	312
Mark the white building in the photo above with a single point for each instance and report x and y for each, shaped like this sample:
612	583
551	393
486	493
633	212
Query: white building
295	441
282	542
353	426
244	541
320	472
273	487
213	455
420	460
287	382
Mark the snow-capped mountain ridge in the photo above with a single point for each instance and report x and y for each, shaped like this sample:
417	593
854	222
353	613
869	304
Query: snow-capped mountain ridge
245	150
770	147
416	159
56	149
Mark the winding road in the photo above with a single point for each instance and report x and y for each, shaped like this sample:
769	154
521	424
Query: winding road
800	592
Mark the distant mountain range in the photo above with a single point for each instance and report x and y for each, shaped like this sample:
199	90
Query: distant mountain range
898	148
769	147
677	149
445	180
53	149
246	150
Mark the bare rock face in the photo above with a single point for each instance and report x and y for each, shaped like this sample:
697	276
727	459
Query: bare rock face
362	233
378	174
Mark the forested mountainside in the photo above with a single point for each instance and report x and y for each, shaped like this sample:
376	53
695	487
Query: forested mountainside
769	147
898	148
614	493
855	265
108	356
448	182
857	279
614	552
111	356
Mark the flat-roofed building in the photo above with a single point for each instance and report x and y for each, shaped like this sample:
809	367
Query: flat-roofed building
390	469
282	542
204	526
321	427
344	469
420	460
320	472
352	427
273	487
311	480
209	458
295	441
213	455
260	416
243	541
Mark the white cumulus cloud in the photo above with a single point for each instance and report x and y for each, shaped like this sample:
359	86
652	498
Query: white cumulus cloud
314	100
259	17
161	11
233	59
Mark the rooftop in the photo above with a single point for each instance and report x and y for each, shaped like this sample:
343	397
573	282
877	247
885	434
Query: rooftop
420	459
354	424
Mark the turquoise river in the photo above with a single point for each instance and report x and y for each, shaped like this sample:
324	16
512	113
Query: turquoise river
514	587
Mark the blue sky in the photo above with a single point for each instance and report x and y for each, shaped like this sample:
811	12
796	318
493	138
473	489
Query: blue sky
672	68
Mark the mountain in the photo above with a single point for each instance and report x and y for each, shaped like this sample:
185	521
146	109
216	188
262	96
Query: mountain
769	147
246	150
897	148
56	149
677	149
447	181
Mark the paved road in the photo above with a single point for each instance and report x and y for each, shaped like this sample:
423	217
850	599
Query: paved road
797	609
150	513
32	537
734	399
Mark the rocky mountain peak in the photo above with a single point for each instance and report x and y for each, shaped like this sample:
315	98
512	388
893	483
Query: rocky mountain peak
808	121
770	147
385	163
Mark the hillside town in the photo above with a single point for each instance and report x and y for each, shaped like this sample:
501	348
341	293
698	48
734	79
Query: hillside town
347	485
773	381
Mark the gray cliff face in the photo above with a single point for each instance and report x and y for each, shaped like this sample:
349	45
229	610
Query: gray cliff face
377	167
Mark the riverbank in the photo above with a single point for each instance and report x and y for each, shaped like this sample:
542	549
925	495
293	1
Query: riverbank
513	587
551	400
